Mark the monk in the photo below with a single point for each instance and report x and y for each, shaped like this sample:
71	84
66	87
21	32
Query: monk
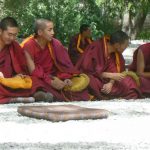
103	62
141	65
79	42
48	61
12	60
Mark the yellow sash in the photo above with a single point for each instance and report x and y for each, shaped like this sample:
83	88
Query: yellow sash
78	44
133	75
17	82
116	54
26	40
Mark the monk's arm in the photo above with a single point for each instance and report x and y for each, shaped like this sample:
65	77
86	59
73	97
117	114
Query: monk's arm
141	65
30	62
38	72
112	76
112	81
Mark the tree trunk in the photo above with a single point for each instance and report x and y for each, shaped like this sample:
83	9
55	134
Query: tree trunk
138	24
126	22
133	25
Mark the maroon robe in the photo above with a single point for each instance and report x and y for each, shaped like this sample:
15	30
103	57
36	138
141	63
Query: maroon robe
56	64
94	63
144	81
72	49
12	62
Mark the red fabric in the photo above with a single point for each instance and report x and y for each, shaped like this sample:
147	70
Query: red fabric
94	62
12	62
46	68
145	82
72	49
18	58
145	48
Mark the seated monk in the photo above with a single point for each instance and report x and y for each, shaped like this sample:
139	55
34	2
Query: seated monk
12	61
79	42
141	65
49	62
103	62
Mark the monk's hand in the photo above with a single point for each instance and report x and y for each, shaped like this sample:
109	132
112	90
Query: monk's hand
57	84
117	76
1	75
68	82
107	88
21	75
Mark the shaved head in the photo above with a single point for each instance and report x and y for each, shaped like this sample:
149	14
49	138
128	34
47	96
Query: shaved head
40	24
118	37
8	30
8	22
44	28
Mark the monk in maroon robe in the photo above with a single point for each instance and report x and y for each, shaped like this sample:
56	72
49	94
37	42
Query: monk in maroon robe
79	42
103	62
49	62
141	65
12	60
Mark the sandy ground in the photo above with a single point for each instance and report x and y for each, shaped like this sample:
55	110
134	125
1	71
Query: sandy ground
127	127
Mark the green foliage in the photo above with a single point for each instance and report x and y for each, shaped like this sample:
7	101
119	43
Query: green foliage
67	15
145	35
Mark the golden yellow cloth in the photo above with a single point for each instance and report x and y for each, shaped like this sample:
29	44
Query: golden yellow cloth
133	75
17	82
79	83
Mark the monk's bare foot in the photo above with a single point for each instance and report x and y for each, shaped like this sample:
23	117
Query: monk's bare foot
43	96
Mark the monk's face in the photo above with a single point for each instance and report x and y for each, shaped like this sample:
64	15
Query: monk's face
9	35
87	33
120	47
48	32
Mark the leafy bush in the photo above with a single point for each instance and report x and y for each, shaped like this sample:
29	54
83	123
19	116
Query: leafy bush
145	35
